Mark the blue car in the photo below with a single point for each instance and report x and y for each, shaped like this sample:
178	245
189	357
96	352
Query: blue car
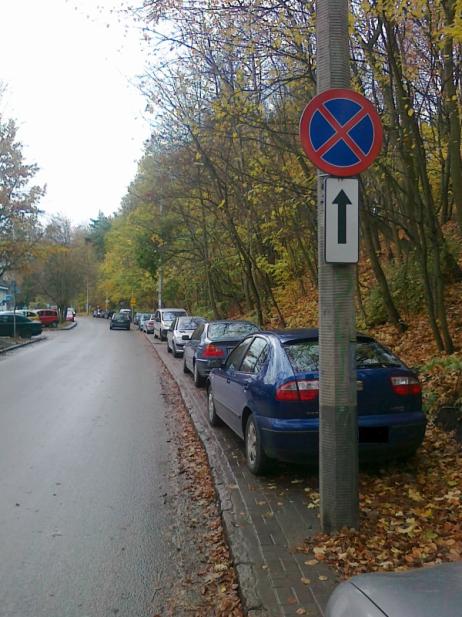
210	344
267	391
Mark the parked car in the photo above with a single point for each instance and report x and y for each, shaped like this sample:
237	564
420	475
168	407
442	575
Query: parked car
210	345
126	312
48	317
179	332
70	314
421	592
163	319
119	321
148	325
142	317
32	315
25	328
267	392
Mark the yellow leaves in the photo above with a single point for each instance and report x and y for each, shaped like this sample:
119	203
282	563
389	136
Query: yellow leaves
415	495
305	581
409	517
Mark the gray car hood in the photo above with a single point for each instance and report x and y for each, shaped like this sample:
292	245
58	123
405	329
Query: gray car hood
424	592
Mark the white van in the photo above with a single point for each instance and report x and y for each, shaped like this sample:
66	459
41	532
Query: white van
163	319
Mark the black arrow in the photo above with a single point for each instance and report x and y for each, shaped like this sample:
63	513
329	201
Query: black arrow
342	202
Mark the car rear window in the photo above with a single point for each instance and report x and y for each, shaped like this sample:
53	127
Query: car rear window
230	331
189	323
171	315
304	356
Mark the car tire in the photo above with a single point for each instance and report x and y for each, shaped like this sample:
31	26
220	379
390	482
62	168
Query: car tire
198	379
255	456
185	368
214	419
162	336
168	347
175	352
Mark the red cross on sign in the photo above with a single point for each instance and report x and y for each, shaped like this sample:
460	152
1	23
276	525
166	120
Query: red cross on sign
341	132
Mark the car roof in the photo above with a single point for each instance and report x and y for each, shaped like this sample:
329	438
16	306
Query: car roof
226	321
301	334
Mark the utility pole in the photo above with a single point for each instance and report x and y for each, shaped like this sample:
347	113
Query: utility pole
161	274
338	432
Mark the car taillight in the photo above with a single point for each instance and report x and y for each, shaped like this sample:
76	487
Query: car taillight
302	390
405	385
212	351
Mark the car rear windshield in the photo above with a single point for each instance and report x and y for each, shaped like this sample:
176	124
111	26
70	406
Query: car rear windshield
230	331
304	356
121	317
189	323
170	316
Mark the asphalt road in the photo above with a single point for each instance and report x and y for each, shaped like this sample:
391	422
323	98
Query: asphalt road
83	477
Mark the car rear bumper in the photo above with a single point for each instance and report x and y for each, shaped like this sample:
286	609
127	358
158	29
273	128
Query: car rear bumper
380	436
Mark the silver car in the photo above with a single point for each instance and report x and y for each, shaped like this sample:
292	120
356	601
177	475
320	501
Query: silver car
422	592
179	332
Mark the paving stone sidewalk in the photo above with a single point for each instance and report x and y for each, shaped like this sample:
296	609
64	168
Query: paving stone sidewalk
265	519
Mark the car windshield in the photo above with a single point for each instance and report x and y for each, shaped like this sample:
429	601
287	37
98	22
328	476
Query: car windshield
121	317
188	323
230	331
170	316
304	356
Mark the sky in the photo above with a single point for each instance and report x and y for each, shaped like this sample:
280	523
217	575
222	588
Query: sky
70	69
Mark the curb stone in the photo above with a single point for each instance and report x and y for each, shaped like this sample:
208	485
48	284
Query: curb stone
24	344
37	339
265	519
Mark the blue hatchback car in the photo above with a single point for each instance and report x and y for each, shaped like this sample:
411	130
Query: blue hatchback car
267	391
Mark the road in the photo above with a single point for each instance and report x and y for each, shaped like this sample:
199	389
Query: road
84	456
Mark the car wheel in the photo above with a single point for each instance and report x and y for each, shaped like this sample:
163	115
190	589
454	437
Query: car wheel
198	379
185	368
175	352
255	456
168	347
214	420
162	336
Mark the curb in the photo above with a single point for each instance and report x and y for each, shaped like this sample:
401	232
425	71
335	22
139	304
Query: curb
41	337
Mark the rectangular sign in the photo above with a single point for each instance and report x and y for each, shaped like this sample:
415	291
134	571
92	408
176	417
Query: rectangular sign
341	241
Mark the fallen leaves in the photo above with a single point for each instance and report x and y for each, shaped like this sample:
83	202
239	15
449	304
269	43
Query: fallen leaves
411	515
210	586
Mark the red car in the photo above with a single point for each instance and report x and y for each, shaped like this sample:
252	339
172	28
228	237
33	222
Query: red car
48	317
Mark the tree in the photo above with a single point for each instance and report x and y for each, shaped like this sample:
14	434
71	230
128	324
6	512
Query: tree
18	201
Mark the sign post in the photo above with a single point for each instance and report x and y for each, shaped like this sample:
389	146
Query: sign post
341	134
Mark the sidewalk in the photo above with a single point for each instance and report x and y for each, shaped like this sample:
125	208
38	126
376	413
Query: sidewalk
266	518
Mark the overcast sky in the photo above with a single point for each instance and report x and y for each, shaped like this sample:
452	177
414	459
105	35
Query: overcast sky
70	68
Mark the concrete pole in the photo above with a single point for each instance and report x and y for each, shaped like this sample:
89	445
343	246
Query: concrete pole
161	274
338	439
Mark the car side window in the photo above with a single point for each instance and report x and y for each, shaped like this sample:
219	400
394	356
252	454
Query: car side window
255	356
235	357
196	335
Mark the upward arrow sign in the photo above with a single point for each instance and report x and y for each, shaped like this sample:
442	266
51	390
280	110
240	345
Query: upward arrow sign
342	202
